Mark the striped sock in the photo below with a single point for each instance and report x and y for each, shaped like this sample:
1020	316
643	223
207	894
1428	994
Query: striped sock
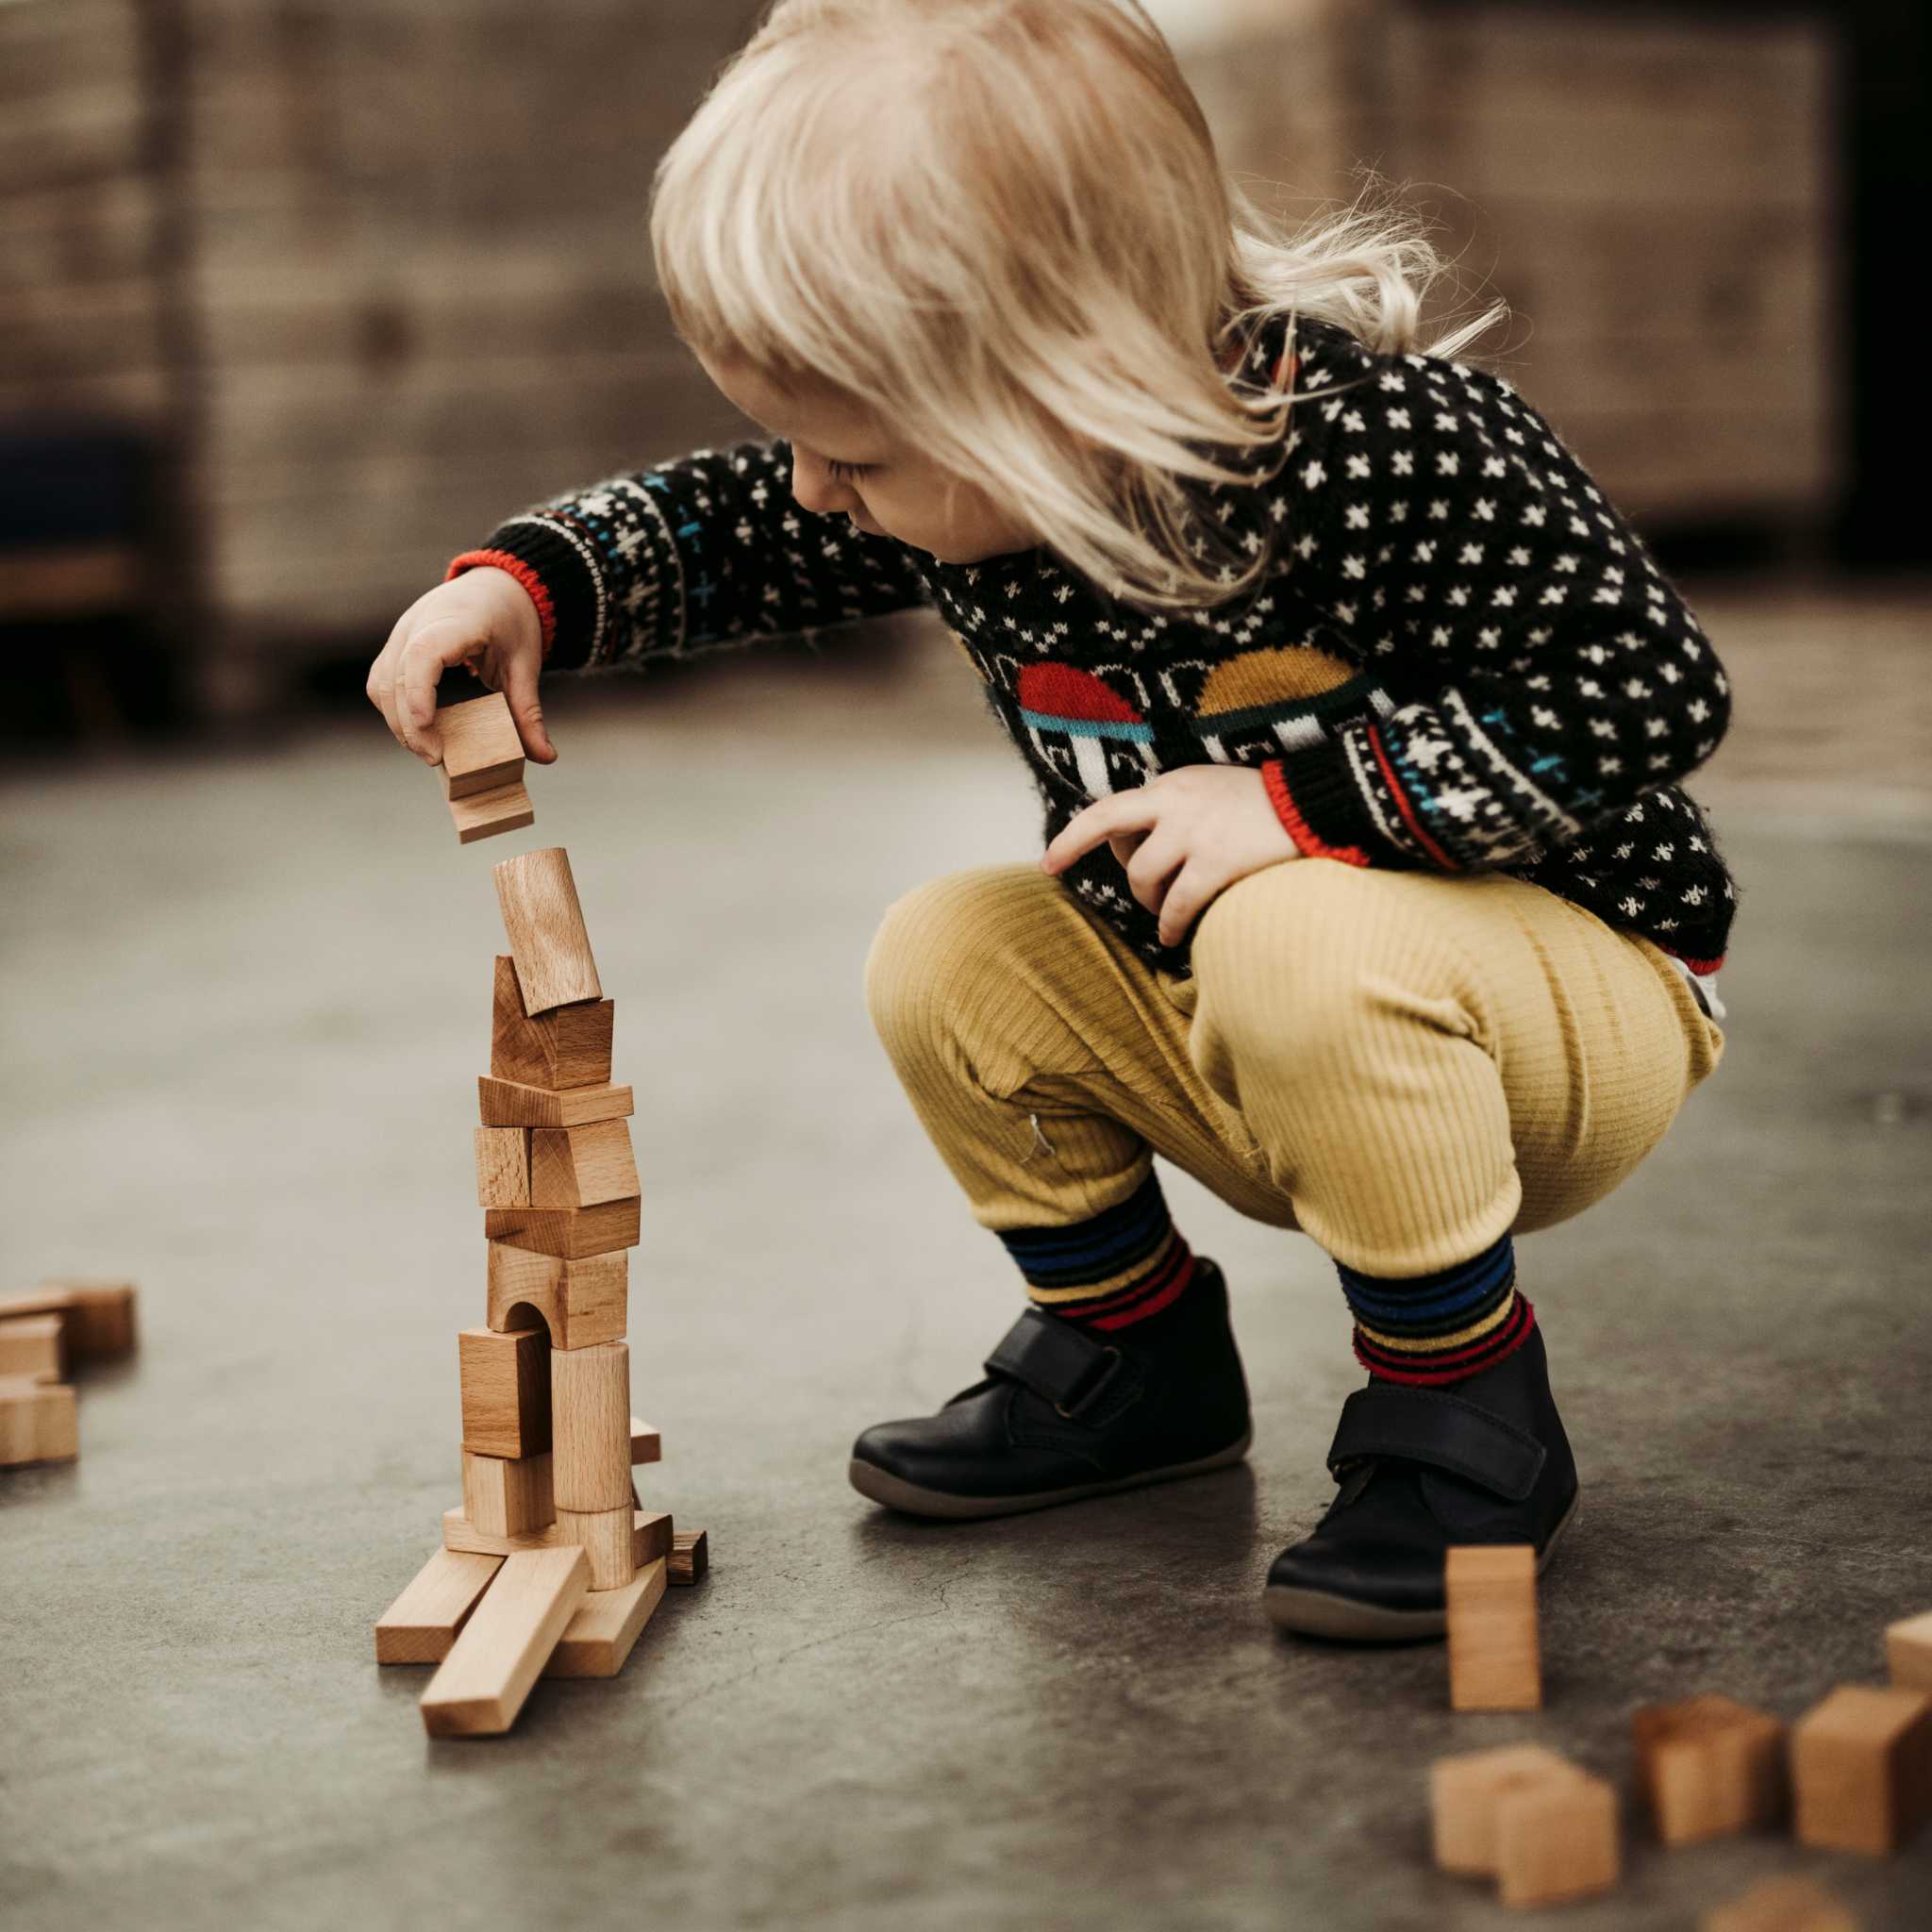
1434	1329
1125	1264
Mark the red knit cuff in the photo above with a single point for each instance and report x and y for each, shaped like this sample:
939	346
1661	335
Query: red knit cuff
502	559
1310	846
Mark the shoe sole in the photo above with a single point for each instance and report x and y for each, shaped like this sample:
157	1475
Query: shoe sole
881	1486
1317	1613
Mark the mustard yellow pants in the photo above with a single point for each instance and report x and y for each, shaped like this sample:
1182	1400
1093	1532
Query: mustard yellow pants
1403	1066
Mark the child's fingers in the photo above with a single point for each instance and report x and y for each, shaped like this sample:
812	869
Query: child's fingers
520	690
1121	811
424	659
1188	894
1151	871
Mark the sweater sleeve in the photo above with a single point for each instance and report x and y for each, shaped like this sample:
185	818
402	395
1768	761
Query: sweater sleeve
704	551
1543	674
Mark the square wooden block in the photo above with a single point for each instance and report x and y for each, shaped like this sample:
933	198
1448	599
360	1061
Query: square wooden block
581	1302
503	1167
691	1555
1780	1905
1909	1652
582	1167
1494	1663
1556	1841
34	1346
1708	1766
508	1495
1466	1794
506	1389
39	1422
1861	1769
569	1046
481	751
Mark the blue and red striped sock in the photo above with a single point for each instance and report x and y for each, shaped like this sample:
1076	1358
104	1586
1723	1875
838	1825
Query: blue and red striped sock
1434	1329
1125	1263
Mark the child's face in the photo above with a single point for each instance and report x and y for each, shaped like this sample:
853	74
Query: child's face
844	457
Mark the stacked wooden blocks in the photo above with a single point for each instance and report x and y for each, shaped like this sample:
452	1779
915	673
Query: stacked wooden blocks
483	768
42	1334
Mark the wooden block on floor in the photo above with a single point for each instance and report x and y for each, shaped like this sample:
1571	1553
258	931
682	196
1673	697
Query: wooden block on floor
545	926
1909	1652
582	1167
506	1391
569	1046
34	1346
422	1624
599	1637
508	1104
1861	1769
481	751
589	1409
1792	1904
1556	1841
1708	1766
653	1535
481	1685
646	1444
507	1495
1494	1663
484	814
503	1167
582	1302
100	1314
608	1540
572	1233
39	1422
691	1555
1466	1793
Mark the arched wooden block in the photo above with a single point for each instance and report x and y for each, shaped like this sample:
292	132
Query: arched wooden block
581	1303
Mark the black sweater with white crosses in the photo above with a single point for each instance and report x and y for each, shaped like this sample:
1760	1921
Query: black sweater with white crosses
1460	658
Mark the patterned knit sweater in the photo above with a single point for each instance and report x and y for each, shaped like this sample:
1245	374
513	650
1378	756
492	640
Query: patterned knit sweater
1460	658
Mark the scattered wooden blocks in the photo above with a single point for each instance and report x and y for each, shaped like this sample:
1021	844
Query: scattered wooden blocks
507	1495
545	924
1909	1652
599	1637
482	1683
646	1444
570	1233
569	1046
34	1346
1556	1841
508	1104
608	1539
484	814
99	1314
481	750
422	1625
1494	1662
38	1422
691	1555
1707	1767
1861	1769
506	1391
1780	1905
589	1406
582	1303
1466	1793
582	1167
503	1167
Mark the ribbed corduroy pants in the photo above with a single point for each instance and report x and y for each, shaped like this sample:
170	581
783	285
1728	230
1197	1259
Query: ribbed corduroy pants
1405	1066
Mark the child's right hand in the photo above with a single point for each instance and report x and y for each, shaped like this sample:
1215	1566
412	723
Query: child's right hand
485	619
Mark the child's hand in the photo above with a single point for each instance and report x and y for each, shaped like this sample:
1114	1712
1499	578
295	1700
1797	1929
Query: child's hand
1182	838
484	619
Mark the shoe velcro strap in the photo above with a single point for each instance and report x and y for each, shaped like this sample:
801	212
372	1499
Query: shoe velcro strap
1431	1426
1060	1363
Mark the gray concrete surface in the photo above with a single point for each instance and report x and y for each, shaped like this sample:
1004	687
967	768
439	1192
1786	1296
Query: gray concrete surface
243	1001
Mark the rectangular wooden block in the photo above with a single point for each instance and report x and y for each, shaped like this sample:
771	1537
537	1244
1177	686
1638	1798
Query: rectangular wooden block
571	1233
1466	1793
545	926
646	1444
569	1046
503	1167
691	1555
1556	1841
506	1389
1780	1905
653	1535
580	1167
1494	1663
608	1540
481	1685
39	1422
1707	1767
507	1495
34	1346
481	751
1909	1652
484	814
581	1302
589	1408
100	1314
508	1104
422	1624
599	1637
461	1534
1861	1769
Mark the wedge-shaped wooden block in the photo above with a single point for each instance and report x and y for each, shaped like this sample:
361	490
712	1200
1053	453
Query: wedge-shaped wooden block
1861	1769
1466	1794
507	1495
569	1046
589	1408
581	1302
691	1555
646	1444
34	1346
1909	1652
481	751
506	1388
1494	1662
503	1167
39	1422
599	1637
484	814
1781	1904
422	1624
572	1233
481	1685
505	1104
545	926
580	1167
100	1314
1556	1841
608	1539
1707	1767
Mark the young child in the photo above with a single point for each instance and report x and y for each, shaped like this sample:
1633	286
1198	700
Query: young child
1367	898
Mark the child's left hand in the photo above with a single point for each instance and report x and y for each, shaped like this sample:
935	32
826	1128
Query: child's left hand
1182	838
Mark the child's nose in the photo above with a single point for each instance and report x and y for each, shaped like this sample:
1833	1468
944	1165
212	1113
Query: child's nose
816	488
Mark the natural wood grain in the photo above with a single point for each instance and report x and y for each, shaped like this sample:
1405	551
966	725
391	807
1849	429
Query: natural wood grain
503	1167
1909	1652
1556	1840
510	1103
646	1444
1466	1793
508	1495
481	751
653	1535
484	814
1792	1904
582	1167
483	1682
1708	1766
1861	1764
506	1391
691	1555
581	1302
651	1532
100	1314
422	1624
460	1533
599	1637
34	1346
1494	1658
38	1422
589	1406
545	926
573	1233
569	1046
608	1539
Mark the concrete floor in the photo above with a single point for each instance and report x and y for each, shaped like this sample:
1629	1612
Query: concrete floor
244	1000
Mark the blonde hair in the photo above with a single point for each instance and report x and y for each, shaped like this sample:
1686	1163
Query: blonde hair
1001	225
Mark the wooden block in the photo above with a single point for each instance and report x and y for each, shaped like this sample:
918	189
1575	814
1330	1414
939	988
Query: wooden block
598	1639
1707	1767
39	1422
581	1302
582	1167
100	1314
1494	1658
571	1233
1862	1763
1780	1905
484	814
653	1535
589	1408
646	1444
1466	1793
505	1386
545	925
507	1495
461	1534
34	1346
1909	1652
422	1624
481	751
483	1682
503	1167
1556	1840
569	1046
608	1540
691	1555
508	1104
